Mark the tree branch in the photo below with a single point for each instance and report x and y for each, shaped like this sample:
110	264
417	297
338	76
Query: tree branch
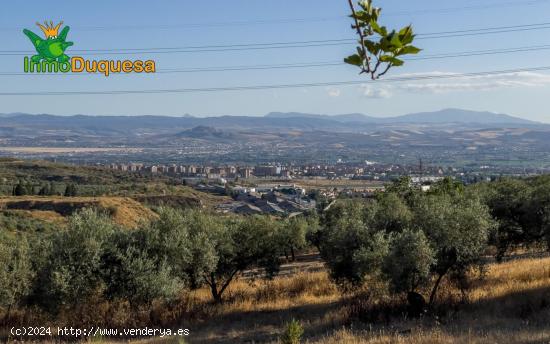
366	65
227	282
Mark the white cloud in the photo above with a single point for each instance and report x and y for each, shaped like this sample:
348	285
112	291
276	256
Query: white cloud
377	92
457	83
334	92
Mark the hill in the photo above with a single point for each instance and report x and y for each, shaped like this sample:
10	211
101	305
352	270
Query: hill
439	117
460	116
115	125
124	211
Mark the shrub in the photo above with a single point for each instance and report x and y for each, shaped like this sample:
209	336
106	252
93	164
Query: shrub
293	333
15	271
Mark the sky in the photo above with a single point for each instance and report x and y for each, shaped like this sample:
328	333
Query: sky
101	25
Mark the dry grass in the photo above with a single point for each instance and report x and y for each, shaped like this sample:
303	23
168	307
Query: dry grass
125	211
46	216
440	336
511	304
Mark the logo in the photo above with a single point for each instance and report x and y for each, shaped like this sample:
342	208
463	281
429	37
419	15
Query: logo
51	57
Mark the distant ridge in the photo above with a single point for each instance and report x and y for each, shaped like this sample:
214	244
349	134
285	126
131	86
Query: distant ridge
461	116
25	124
442	116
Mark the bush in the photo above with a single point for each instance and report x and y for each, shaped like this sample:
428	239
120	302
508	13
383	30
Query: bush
293	333
15	271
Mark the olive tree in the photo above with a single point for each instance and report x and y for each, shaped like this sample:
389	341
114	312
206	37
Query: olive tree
15	271
243	244
72	271
409	261
508	201
292	234
457	228
131	272
392	213
537	214
176	250
350	245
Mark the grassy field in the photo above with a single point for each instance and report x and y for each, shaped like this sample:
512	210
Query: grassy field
510	304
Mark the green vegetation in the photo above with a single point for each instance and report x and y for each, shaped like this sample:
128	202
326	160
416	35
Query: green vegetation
42	178
293	333
375	57
403	243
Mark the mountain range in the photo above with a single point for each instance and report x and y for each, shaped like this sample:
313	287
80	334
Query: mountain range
450	136
453	119
442	116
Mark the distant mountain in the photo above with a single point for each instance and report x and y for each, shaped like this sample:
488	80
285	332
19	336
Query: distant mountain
436	117
459	116
25	125
346	118
446	136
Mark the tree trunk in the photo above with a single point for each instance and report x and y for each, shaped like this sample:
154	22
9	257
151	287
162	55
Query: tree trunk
7	316
226	284
214	289
434	290
292	253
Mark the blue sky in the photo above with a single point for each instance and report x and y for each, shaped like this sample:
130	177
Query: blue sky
106	24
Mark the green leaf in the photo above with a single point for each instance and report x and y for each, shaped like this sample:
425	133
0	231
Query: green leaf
393	60
354	60
406	35
381	30
409	50
385	44
366	5
362	16
406	31
394	40
372	47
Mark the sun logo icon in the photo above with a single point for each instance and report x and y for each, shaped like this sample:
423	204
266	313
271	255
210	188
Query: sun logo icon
53	47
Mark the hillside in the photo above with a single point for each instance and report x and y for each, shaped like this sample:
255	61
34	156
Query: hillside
103	183
124	211
507	307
